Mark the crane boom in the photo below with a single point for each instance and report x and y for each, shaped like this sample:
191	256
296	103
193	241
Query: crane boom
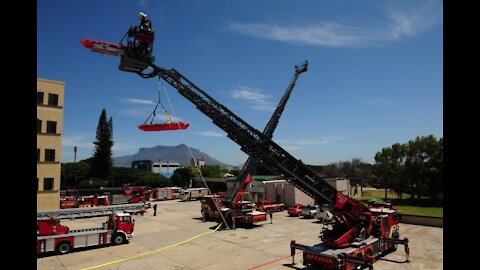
272	124
357	230
253	142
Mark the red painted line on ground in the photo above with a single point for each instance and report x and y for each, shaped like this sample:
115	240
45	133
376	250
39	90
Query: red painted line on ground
279	259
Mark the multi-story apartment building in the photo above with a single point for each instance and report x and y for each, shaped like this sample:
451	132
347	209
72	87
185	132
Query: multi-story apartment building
50	96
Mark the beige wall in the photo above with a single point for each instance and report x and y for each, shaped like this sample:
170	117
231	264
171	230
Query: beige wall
340	184
289	195
303	198
49	199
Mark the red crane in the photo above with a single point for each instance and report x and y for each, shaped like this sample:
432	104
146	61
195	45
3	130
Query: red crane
358	235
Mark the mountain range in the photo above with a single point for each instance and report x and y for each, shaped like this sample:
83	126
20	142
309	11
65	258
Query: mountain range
177	153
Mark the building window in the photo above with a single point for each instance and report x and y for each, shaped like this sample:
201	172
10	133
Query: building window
39	97
53	99
38	154
51	127
39	126
47	183
49	154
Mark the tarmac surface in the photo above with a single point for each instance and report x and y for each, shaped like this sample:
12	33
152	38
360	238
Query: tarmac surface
263	247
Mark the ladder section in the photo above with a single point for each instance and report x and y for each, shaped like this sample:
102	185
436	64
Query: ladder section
268	131
251	141
96	211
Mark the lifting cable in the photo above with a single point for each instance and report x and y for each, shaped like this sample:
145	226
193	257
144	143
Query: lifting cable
193	158
165	112
153	114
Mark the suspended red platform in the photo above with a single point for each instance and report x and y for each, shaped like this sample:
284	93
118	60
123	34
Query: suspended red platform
164	126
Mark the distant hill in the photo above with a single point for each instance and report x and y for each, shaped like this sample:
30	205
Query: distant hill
177	153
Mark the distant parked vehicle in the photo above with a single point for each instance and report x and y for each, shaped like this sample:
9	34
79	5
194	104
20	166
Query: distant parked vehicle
193	194
295	210
323	214
270	205
166	193
309	211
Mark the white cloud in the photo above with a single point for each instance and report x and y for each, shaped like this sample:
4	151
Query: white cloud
257	100
399	23
210	134
137	113
138	101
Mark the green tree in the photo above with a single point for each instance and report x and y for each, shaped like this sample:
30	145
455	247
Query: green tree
331	170
397	162
415	167
92	182
74	172
102	158
181	177
212	171
383	168
235	172
153	180
123	176
425	166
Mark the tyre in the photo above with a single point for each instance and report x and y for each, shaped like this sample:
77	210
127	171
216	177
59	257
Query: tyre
64	248
119	239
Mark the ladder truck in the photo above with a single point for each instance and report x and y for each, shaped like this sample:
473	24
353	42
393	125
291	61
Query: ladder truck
54	237
358	235
232	205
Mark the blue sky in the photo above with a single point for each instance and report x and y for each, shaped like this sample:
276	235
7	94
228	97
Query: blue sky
375	72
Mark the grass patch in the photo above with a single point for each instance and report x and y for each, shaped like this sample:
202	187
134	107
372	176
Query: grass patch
421	211
424	206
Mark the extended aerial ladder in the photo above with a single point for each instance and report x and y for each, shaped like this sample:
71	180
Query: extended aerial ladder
239	185
253	142
96	211
354	221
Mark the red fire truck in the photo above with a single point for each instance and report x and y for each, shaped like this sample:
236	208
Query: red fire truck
270	205
166	193
83	201
52	236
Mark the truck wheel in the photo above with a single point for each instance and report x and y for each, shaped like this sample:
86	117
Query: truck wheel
64	248
119	239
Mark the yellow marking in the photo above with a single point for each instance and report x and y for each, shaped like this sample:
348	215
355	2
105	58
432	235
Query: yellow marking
153	251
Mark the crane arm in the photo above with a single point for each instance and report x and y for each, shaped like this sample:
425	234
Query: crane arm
351	214
241	182
253	142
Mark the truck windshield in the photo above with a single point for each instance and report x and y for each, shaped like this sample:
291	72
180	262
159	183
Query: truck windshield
126	219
